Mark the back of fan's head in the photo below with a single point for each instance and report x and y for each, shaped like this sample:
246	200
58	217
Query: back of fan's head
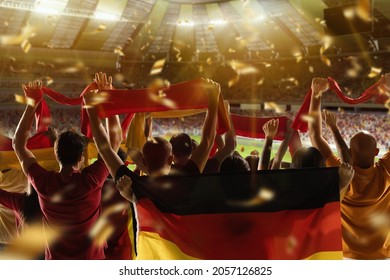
234	163
69	147
307	157
156	153
181	145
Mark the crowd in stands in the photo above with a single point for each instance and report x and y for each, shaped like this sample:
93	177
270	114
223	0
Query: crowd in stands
64	117
284	81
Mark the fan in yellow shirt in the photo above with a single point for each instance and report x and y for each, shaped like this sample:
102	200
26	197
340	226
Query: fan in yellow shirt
365	208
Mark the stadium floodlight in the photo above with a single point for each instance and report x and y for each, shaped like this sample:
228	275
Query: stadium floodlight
50	7
106	16
189	23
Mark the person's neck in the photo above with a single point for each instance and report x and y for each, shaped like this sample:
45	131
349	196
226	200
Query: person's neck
162	172
66	170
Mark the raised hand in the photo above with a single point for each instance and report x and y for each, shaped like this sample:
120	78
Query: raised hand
124	187
102	82
270	128
319	85
213	89
329	118
33	91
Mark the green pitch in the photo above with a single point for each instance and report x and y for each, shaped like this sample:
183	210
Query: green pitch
246	145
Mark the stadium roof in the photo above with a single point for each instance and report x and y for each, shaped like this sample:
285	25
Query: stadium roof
182	28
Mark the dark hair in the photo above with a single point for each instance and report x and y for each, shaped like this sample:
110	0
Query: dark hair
234	163
253	162
195	144
156	152
181	145
307	157
69	147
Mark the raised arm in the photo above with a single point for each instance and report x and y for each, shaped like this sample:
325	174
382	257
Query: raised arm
230	139
318	86
201	153
270	129
33	93
106	150
283	147
342	148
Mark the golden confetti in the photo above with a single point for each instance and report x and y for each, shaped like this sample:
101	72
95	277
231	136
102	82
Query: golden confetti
273	106
375	71
260	82
178	53
101	27
30	244
49	80
157	67
311	69
118	50
26	46
325	60
291	245
298	57
308	118
364	10
266	194
242	68
234	80
231	50
209	61
26	32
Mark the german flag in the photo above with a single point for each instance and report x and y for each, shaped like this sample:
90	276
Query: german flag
273	215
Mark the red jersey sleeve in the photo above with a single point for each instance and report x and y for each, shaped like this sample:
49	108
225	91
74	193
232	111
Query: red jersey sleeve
13	201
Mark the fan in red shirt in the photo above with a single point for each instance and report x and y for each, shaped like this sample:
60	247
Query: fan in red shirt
69	199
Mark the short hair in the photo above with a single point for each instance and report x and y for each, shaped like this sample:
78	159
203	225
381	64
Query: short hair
181	145
234	163
195	144
307	158
156	153
253	162
69	147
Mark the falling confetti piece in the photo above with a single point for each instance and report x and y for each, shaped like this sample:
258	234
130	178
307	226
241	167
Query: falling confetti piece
375	71
30	244
26	46
26	32
178	53
209	61
291	245
49	80
242	68
364	10
234	80
266	194
307	118
273	106
101	27
260	82
118	50
157	67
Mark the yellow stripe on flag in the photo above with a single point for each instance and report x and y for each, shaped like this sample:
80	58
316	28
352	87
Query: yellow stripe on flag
151	246
331	255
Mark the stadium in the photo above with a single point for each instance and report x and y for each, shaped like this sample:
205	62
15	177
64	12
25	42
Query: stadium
264	55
